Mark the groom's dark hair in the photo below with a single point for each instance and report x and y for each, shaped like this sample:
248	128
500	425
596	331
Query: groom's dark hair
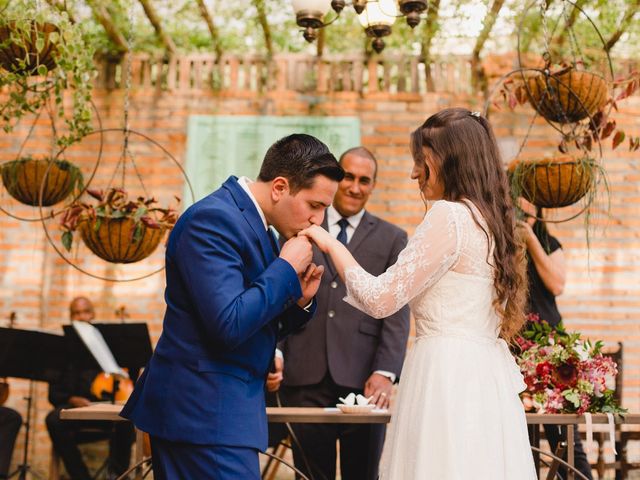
299	158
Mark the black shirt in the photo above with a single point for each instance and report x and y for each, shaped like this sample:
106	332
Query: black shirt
541	300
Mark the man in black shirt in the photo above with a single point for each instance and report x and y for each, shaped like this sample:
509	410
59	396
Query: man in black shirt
547	275
74	390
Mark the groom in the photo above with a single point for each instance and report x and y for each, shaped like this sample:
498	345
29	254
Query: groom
231	295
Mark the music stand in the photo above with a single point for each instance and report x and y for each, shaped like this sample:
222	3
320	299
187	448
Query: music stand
18	359
129	343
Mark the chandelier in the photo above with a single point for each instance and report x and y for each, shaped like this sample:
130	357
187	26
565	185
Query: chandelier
376	16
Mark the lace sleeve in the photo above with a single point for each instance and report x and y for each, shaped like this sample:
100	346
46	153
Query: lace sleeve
430	253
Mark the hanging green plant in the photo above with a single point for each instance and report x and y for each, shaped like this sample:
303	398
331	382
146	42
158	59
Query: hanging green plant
44	55
23	179
115	228
554	182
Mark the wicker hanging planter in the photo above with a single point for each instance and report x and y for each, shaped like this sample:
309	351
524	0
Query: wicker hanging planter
567	96
553	182
23	180
24	57
116	240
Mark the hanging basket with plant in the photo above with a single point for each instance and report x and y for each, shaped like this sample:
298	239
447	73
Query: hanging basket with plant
568	95
26	177
43	55
115	228
26	46
554	182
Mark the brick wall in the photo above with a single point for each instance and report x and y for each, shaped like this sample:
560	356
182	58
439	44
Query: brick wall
602	297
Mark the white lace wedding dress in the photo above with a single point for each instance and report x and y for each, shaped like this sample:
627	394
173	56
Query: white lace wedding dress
457	414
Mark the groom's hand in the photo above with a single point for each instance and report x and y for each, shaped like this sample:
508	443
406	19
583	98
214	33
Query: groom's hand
298	252
379	387
309	283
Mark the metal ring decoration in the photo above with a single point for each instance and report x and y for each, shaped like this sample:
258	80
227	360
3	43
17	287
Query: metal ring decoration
46	173
126	132
573	470
142	463
299	474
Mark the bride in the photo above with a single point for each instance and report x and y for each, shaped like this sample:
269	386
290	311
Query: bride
458	415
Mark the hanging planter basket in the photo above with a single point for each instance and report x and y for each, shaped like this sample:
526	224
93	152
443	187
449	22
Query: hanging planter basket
23	179
567	96
120	240
23	56
553	182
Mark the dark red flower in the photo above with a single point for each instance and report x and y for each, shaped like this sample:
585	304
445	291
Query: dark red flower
565	375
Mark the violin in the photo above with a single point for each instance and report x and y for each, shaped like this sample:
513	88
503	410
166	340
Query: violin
103	385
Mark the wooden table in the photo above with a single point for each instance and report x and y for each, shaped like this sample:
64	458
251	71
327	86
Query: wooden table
104	411
107	411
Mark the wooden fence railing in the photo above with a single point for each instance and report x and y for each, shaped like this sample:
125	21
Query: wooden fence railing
297	72
302	73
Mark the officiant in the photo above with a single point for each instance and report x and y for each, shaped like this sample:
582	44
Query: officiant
343	350
74	390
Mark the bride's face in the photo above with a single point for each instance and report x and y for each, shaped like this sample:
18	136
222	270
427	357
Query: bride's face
425	172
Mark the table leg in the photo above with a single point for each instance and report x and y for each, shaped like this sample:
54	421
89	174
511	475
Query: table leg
571	450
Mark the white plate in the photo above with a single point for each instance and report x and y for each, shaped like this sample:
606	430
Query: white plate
356	408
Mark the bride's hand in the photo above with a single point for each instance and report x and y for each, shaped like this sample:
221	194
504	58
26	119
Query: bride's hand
319	236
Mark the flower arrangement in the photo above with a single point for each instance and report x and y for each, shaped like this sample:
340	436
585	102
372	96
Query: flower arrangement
116	228
564	373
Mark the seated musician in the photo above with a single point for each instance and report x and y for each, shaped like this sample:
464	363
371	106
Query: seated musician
10	422
74	390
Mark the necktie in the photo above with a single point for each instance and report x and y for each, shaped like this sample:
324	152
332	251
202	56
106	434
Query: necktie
274	242
342	235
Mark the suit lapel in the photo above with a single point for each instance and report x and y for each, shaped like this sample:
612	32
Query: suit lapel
364	228
251	215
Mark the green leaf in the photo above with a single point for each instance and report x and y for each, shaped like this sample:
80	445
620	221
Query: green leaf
42	70
67	240
39	44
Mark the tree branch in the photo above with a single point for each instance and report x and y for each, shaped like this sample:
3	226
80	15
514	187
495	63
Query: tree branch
624	24
266	30
212	28
430	29
478	80
157	25
102	16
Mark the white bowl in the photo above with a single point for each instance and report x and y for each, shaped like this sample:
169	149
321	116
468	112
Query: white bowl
356	408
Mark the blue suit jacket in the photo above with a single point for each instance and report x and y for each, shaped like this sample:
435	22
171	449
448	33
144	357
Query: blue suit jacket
229	300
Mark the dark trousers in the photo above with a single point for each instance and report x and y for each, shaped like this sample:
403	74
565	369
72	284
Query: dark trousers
188	461
360	445
10	422
67	434
555	434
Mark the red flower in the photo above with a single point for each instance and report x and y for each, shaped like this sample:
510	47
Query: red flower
565	375
544	369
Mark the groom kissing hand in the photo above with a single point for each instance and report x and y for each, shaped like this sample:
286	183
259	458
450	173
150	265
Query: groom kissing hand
231	294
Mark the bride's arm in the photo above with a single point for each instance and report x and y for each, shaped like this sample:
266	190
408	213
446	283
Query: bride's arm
430	253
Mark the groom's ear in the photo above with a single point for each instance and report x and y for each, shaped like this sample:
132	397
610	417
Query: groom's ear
279	188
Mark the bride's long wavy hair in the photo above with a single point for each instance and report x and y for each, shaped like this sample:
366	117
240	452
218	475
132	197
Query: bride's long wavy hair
467	159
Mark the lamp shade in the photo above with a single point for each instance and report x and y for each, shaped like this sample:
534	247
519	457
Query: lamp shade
316	6
379	12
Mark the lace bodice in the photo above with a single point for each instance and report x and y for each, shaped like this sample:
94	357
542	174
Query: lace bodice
447	240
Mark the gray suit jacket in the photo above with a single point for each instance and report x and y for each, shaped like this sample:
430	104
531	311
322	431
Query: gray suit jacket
340	338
